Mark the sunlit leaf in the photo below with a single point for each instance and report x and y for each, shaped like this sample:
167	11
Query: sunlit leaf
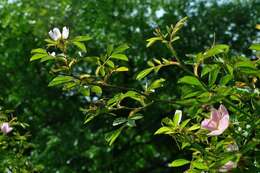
163	130
60	80
255	47
119	57
144	73
199	165
190	80
121	48
122	69
80	45
96	89
179	162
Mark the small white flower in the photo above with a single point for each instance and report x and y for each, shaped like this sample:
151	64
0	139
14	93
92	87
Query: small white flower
55	34
53	54
65	32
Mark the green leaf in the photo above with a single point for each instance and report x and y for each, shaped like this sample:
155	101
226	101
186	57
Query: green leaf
255	47
102	71
109	49
194	127
230	69
185	144
69	85
110	63
84	91
179	162
163	130
199	165
51	42
150	63
225	79
217	49
89	117
96	89
190	80
113	136
119	57
131	123
134	95
121	48
136	116
119	121
60	80
152	40
81	38
122	69
213	76
184	123
208	68
245	64
156	84
39	50
37	56
80	45
144	73
179	25
47	58
175	39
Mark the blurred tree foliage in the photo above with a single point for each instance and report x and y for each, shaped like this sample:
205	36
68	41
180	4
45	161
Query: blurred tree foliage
62	142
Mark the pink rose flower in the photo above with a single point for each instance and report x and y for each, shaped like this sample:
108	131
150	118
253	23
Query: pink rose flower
218	122
228	166
5	128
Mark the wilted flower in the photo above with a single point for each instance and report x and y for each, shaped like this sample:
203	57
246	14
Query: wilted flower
5	128
218	122
55	34
232	147
228	166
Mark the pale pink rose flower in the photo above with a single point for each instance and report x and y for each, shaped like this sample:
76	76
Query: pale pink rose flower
5	128
218	122
65	32
228	166
55	34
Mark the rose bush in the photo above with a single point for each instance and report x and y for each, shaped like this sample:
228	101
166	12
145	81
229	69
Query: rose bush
226	141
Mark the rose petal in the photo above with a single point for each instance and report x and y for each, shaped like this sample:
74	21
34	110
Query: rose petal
216	132
222	110
223	123
5	128
209	124
215	115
